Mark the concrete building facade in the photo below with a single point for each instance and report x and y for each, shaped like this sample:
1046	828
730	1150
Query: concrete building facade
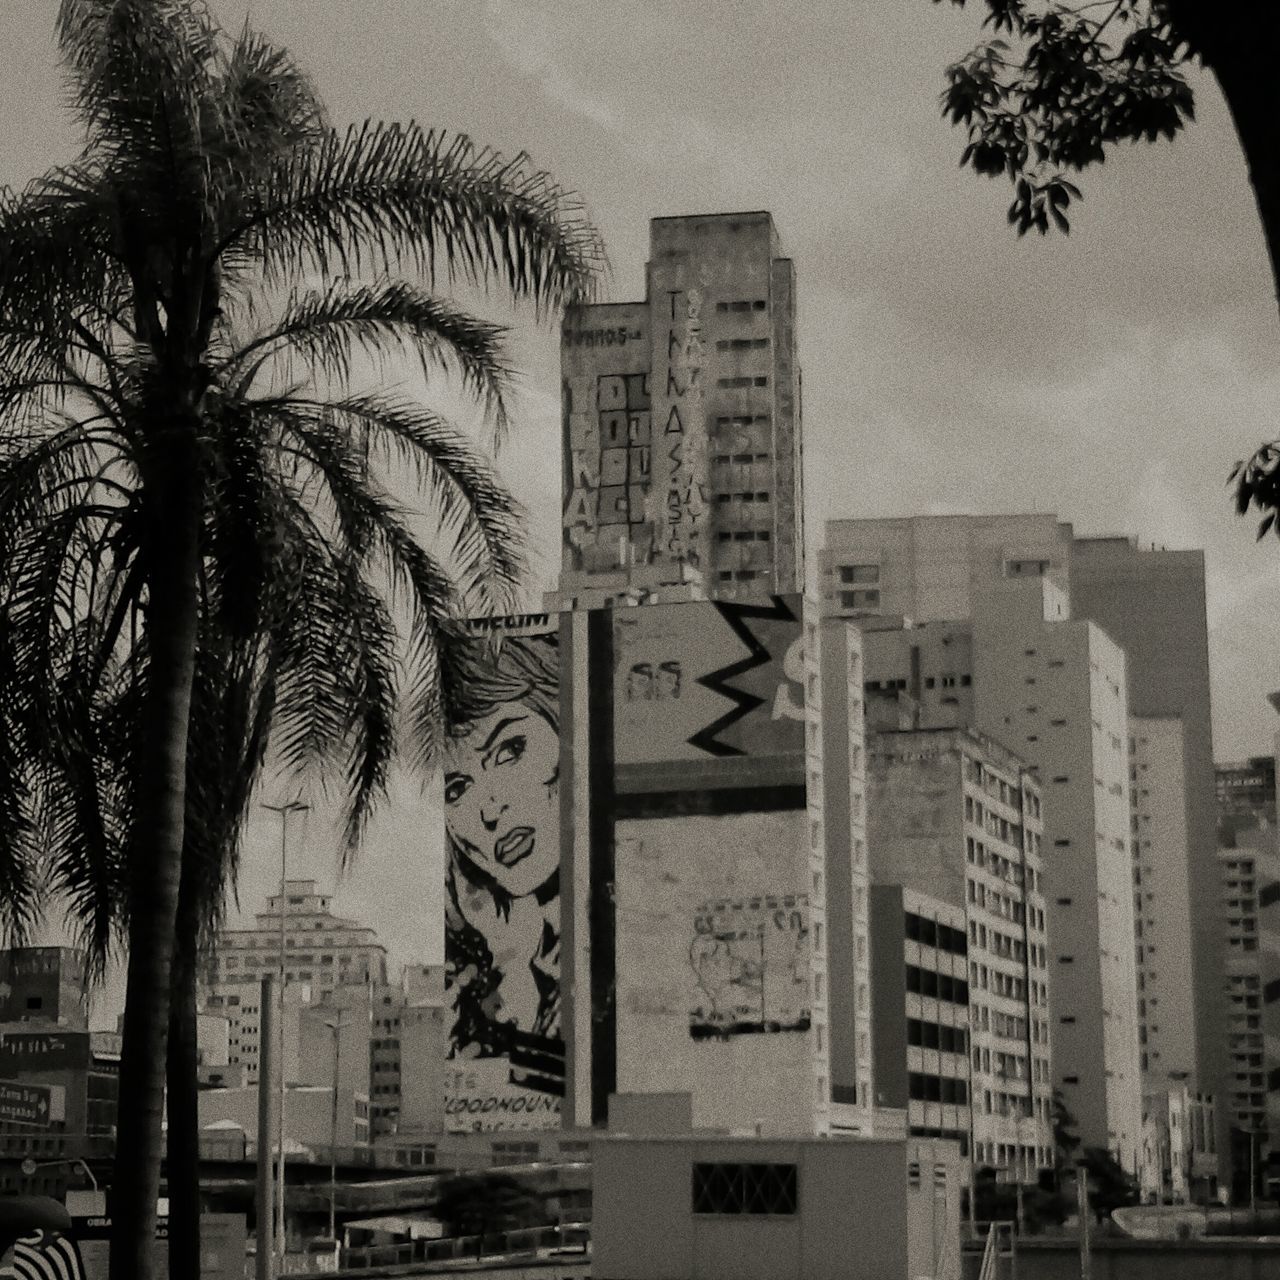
751	1209
44	985
1249	914
322	951
1151	602
1052	691
955	815
1162	903
682	464
933	568
921	1014
697	860
836	779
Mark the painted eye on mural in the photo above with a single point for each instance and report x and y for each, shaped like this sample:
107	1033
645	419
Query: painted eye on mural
456	785
510	750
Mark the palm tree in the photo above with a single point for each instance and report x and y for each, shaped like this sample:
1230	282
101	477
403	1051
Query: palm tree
211	196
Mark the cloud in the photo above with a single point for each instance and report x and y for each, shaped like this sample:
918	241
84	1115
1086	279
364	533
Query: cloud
524	39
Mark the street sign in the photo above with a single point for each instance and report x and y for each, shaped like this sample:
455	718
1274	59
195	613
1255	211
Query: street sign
44	1050
34	1104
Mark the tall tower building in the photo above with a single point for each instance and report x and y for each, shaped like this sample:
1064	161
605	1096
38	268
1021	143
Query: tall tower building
956	817
1162	902
1152	603
1249	915
682	463
1053	691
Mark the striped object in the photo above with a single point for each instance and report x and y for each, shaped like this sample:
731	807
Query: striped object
43	1257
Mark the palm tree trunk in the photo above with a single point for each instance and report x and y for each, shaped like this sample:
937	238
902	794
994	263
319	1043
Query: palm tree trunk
183	1147
173	494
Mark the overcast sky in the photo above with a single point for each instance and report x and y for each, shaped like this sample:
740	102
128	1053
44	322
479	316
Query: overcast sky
1111	377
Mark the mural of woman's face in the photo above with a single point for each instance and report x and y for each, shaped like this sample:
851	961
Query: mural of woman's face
501	797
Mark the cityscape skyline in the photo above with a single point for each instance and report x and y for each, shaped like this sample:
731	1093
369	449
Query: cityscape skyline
1155	354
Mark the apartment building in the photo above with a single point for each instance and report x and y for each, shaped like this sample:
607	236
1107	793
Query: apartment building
682	462
1249	916
1162	902
1151	602
955	815
922	1013
1052	691
835	788
321	950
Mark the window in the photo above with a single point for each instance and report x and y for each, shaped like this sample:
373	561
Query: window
854	573
760	1189
860	599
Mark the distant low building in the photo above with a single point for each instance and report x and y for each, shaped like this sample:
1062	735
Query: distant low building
308	1116
44	985
717	1208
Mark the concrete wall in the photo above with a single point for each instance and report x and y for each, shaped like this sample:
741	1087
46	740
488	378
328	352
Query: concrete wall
713	971
858	1215
423	1041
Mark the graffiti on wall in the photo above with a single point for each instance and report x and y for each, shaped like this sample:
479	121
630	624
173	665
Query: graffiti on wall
611	471
713	949
502	901
703	680
750	959
684	515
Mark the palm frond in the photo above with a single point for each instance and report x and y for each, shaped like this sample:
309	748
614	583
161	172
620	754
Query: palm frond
484	521
323	329
379	196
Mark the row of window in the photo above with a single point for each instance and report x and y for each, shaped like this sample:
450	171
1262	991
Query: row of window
937	986
933	933
741	304
933	1035
1000	984
745	535
924	1087
740	459
742	344
758	380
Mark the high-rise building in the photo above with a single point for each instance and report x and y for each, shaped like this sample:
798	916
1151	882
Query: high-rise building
956	817
681	861
836	791
1052	691
321	950
682	465
1249	913
932	568
1151	602
1162	903
921	1013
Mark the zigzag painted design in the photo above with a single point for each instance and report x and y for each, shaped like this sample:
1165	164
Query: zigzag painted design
738	616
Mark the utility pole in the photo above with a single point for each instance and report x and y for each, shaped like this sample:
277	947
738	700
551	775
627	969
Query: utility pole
1084	1213
284	810
336	1028
266	1100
